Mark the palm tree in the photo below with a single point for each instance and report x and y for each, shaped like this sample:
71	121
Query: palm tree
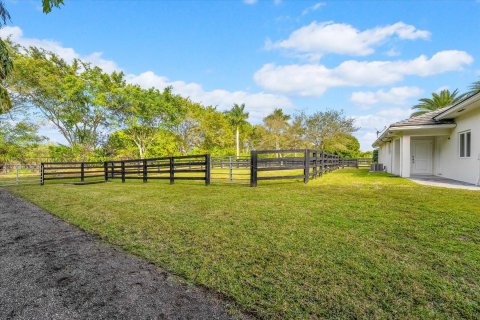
237	117
277	122
474	88
438	100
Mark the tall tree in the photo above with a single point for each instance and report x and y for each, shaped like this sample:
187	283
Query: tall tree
238	117
276	124
16	140
328	130
76	98
6	65
474	88
438	100
145	112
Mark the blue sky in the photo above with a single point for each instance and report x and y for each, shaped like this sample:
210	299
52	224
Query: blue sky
371	59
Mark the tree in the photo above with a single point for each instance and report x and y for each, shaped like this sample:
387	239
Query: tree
438	100
237	117
294	134
474	88
276	124
145	112
6	65
328	130
17	139
78	99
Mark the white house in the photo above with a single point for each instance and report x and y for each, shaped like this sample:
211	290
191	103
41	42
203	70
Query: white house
445	143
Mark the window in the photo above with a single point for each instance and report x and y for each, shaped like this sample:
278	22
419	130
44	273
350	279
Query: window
465	144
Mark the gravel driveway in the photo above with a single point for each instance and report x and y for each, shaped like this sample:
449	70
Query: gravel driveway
51	270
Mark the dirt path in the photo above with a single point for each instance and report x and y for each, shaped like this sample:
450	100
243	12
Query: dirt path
51	270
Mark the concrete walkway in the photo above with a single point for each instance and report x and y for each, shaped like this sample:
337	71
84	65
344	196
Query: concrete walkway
52	270
437	181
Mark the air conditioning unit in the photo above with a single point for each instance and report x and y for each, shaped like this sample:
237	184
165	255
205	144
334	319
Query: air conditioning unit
377	167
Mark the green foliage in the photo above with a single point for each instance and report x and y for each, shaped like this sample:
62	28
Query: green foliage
438	100
145	112
77	98
238	117
48	5
17	140
375	156
6	65
276	125
330	131
101	116
474	88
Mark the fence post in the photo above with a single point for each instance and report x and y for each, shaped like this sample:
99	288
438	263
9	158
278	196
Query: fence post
356	163
42	174
82	172
253	168
306	169
16	177
123	171
172	173
144	170
323	163
113	170
105	170
230	166
207	169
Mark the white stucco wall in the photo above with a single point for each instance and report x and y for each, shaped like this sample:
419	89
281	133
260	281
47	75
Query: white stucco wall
447	151
385	155
389	156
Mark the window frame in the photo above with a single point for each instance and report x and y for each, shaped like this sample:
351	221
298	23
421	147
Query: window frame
465	144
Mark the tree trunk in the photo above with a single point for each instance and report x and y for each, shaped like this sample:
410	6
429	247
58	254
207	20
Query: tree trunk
238	142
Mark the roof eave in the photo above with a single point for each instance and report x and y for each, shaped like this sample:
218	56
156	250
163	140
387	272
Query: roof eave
456	107
392	129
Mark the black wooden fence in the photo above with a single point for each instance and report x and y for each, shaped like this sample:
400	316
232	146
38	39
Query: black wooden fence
298	163
303	164
82	171
168	168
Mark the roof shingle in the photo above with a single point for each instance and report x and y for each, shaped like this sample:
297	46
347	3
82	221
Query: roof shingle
424	119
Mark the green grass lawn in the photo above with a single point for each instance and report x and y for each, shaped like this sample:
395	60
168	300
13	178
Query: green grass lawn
351	244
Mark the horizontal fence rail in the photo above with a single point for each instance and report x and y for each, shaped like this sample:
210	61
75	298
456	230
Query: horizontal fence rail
303	164
74	171
15	174
262	165
230	169
168	168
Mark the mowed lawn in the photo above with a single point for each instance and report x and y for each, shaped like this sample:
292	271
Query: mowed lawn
351	244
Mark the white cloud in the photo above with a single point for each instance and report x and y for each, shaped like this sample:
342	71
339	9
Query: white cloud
258	104
317	39
16	34
315	79
370	123
313	8
396	95
392	52
249	1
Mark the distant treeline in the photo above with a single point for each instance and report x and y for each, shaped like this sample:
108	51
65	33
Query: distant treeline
101	115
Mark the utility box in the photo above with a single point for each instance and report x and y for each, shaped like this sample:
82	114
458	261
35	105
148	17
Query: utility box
377	167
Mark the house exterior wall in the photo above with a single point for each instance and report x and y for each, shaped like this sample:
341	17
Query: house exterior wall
389	156
385	156
447	151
